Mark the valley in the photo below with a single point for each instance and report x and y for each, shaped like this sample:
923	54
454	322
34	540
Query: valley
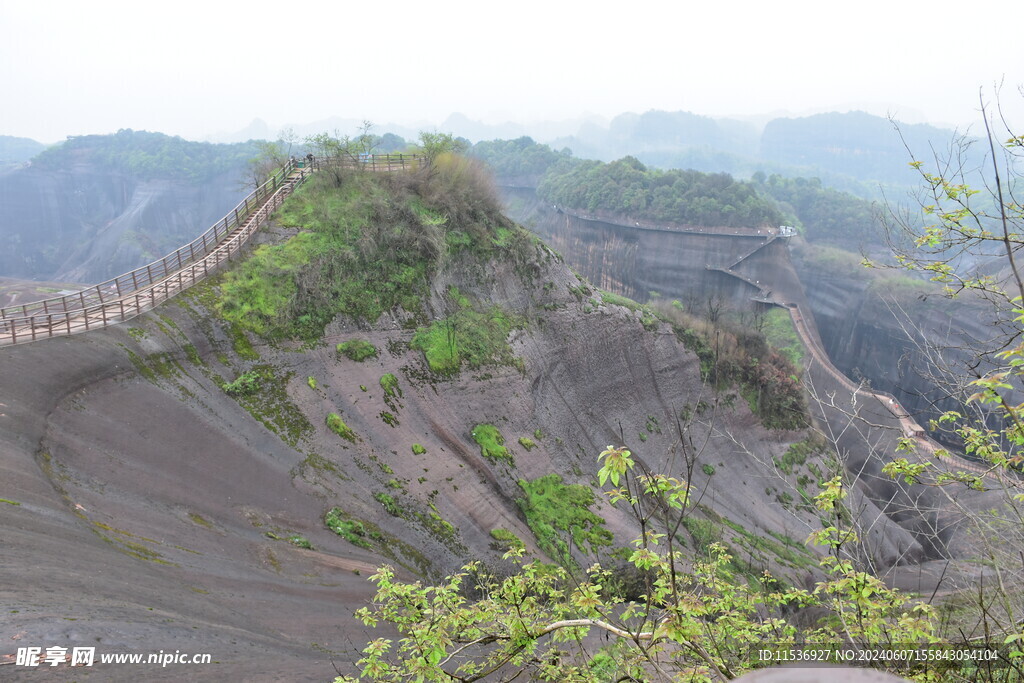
231	469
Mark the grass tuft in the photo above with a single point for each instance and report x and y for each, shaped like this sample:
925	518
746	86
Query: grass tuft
357	350
492	443
338	426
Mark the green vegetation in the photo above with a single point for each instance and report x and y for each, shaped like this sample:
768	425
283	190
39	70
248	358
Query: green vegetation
505	539
468	336
311	381
796	455
147	155
369	243
200	520
389	504
366	534
338	426
357	350
263	392
193	355
703	531
648	318
240	343
155	365
627	187
708	469
732	355
389	383
715	599
300	542
825	213
521	159
551	507
781	336
492	443
352	530
9	502
418	449
527	443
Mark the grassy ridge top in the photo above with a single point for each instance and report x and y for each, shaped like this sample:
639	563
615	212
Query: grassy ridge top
368	243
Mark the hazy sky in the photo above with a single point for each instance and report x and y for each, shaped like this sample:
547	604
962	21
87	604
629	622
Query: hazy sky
196	68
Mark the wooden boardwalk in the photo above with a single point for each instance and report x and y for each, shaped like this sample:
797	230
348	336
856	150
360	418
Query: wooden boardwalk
142	289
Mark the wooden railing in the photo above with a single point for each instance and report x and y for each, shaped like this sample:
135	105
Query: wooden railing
381	163
128	295
142	289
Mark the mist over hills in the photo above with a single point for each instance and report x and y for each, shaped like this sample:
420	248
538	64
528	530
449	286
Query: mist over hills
99	205
138	171
853	151
14	151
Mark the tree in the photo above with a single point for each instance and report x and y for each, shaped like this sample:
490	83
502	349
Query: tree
968	240
688	620
432	145
270	157
690	616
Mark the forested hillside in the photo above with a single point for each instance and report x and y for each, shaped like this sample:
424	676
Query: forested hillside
96	206
144	155
627	187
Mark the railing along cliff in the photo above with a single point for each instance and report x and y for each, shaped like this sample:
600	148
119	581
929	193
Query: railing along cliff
142	289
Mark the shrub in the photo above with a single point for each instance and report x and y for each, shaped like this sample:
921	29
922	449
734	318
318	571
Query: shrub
418	449
389	383
246	384
352	530
551	506
300	542
357	350
389	504
527	443
506	538
491	443
338	426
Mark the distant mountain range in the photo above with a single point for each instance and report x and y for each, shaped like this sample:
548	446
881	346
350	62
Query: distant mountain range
854	151
94	206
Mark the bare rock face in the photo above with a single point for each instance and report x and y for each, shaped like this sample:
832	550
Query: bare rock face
145	507
149	509
907	529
